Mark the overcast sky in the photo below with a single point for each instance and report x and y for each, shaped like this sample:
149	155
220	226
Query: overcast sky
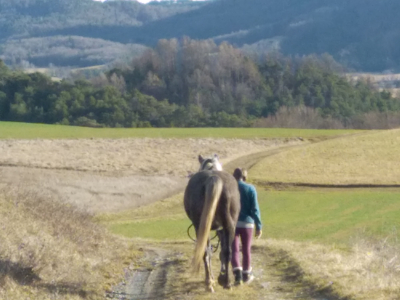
145	1
142	1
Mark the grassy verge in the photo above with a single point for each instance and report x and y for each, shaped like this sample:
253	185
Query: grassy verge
368	270
12	130
52	251
360	159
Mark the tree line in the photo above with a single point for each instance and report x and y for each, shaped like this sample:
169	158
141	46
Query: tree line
192	83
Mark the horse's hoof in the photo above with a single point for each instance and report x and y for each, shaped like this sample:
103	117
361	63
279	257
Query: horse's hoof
221	279
228	287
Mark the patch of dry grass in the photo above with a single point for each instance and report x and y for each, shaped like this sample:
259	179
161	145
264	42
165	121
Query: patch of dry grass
368	270
360	159
51	250
148	156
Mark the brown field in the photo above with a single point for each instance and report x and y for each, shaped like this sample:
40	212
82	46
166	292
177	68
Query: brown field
103	175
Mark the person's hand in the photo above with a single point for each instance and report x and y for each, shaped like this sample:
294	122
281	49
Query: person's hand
258	234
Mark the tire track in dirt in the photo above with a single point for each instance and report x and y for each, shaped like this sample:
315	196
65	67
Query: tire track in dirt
149	281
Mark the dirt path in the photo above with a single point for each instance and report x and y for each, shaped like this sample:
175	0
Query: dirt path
278	276
167	276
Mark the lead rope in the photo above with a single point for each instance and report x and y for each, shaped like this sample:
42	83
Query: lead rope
213	248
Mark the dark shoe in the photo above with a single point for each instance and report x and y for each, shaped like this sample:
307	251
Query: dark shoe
248	277
238	277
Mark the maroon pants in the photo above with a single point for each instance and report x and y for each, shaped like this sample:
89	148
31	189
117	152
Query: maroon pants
245	235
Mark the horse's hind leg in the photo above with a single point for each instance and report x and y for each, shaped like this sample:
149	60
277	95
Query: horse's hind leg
207	266
225	257
226	237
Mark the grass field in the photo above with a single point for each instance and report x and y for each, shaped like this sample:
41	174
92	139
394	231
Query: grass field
370	158
13	130
322	216
344	239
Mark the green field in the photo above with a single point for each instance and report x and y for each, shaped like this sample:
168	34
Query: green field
322	216
12	130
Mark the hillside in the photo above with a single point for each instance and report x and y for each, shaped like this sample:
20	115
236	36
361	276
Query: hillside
25	26
362	34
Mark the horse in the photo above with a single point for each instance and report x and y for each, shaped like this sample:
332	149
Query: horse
212	202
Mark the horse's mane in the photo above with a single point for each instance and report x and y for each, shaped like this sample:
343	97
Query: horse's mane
209	163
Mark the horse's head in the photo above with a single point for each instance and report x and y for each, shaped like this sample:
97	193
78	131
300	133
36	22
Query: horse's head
210	163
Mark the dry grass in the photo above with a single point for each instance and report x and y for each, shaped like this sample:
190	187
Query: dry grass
369	270
50	251
298	117
306	117
373	77
148	156
360	159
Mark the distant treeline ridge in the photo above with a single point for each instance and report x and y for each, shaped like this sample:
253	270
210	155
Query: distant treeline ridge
192	83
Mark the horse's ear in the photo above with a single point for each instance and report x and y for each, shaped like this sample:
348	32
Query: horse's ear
216	156
200	158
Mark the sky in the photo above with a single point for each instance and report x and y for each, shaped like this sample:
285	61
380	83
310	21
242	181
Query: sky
144	1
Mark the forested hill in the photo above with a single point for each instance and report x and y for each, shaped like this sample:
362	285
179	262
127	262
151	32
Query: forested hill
191	83
361	34
27	18
27	30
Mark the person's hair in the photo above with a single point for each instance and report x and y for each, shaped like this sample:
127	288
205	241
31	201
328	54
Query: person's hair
240	174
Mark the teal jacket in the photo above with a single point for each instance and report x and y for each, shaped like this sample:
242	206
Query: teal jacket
250	211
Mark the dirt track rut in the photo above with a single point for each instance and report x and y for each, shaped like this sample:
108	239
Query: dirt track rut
278	277
149	281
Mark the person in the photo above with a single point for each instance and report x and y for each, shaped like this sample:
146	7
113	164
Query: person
249	217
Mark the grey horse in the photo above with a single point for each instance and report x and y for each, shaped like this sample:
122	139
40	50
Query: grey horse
212	202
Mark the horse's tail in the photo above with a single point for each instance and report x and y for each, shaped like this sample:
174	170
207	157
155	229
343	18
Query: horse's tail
212	194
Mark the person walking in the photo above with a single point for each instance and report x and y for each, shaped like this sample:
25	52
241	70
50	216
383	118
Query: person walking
249	217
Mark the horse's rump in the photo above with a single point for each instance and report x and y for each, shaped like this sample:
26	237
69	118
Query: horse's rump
195	194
